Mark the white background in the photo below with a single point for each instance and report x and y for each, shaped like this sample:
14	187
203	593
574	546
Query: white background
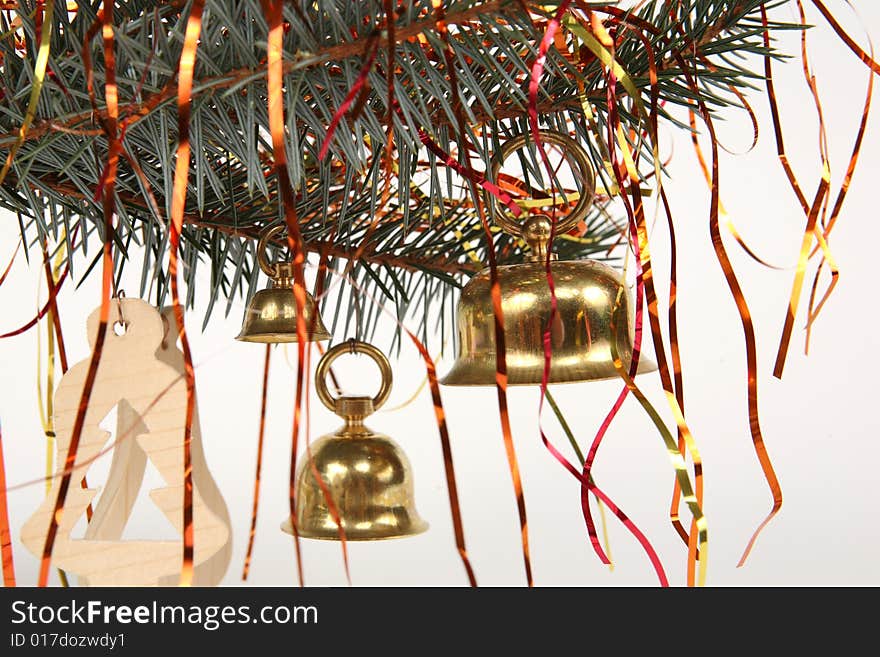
820	421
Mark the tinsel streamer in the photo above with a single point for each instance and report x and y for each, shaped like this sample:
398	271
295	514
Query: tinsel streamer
132	161
606	543
5	534
707	176
390	29
53	335
471	175
861	54
178	205
52	274
276	118
586	480
774	114
90	87
812	215
495	291
747	106
676	386
372	49
678	463
713	185
589	485
325	490
59	280
838	204
40	314
673	390
320	283
745	317
635	242
694	50
800	273
56	337
46	410
47	18
677	377
810	79
9	266
644	280
534	81
259	467
107	279
692	554
451	486
275	81
415	394
442	429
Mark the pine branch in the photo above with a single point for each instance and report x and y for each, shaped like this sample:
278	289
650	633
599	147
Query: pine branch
429	239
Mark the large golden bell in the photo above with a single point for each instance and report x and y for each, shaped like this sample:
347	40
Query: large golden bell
366	474
593	308
271	315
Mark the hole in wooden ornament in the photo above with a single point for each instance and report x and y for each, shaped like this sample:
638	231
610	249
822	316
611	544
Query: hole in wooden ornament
120	328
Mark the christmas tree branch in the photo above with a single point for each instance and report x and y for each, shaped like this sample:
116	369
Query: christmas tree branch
428	235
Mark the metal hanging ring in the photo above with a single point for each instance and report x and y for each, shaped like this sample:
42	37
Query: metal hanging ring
351	347
581	167
120	295
269	268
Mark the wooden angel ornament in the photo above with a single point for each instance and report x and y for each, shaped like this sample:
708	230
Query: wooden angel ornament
141	374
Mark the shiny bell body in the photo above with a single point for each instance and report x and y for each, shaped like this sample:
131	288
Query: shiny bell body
593	306
580	336
366	474
271	315
369	479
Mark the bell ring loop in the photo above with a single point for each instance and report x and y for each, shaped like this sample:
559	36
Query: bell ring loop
269	268
578	159
351	347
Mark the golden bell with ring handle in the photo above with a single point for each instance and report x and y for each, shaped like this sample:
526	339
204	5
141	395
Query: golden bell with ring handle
593	304
271	315
366	474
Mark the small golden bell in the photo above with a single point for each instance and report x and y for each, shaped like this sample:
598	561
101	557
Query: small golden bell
593	305
366	474
271	315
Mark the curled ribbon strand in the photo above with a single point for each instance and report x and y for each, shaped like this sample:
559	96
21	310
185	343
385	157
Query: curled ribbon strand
495	290
274	65
747	324
5	534
178	203
107	278
47	20
812	313
253	531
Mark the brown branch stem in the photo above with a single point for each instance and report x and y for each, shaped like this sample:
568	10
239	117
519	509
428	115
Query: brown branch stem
217	222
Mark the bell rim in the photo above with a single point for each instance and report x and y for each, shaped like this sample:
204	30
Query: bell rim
260	331
279	338
456	375
419	528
